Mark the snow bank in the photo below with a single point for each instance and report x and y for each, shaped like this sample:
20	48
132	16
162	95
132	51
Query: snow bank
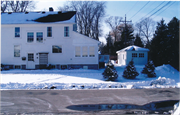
163	81
86	79
176	109
158	83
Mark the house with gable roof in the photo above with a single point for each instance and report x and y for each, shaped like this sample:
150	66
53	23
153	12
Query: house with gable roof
33	40
138	54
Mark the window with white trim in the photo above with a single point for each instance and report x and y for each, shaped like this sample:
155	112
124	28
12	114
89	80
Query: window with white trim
56	49
30	37
17	50
91	51
66	31
84	51
17	32
141	55
134	54
77	51
39	37
49	31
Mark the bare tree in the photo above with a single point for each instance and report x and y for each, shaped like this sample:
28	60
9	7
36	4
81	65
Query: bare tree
146	28
21	6
4	5
89	15
114	24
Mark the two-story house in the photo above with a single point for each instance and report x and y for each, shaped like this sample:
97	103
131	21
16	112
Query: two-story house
32	40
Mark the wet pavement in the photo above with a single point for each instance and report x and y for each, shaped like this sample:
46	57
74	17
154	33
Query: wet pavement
121	101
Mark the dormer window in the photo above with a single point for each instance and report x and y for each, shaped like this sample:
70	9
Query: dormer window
17	31
66	31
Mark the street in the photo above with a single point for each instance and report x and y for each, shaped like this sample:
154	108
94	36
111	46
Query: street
67	101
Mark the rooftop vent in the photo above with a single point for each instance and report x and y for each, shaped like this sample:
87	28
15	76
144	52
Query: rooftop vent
51	9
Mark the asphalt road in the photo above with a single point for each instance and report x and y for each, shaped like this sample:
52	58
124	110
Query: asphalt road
67	101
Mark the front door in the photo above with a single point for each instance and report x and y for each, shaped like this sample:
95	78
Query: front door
43	60
30	61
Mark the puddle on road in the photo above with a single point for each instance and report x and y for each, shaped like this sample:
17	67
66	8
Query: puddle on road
153	107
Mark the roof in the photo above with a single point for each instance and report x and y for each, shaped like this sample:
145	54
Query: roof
133	48
38	17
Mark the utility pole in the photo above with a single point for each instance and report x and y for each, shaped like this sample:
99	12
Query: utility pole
126	27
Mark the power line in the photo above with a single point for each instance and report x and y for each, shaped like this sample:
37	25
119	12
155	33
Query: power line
165	8
140	9
160	9
151	11
132	7
155	8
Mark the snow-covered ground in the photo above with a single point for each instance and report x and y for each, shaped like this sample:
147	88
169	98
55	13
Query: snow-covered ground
167	76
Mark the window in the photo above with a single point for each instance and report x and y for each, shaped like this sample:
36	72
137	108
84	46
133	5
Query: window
84	51
134	54
57	49
66	31
91	51
17	67
141	55
49	31
17	31
30	37
16	50
75	27
31	57
39	36
77	51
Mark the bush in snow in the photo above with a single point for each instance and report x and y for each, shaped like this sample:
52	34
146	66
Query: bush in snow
149	69
130	71
110	73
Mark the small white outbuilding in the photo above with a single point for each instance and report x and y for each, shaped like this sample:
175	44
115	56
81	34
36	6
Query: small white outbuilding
138	54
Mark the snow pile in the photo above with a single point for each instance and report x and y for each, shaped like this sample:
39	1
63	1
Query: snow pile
167	69
163	81
86	79
176	109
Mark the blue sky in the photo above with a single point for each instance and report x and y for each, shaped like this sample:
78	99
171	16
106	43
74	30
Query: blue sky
134	10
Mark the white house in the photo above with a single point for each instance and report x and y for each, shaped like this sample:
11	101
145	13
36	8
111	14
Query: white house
32	40
138	54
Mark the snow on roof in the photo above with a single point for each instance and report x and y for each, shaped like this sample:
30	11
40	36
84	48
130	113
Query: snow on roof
38	17
133	48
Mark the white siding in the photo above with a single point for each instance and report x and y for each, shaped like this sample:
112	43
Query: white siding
122	57
68	44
